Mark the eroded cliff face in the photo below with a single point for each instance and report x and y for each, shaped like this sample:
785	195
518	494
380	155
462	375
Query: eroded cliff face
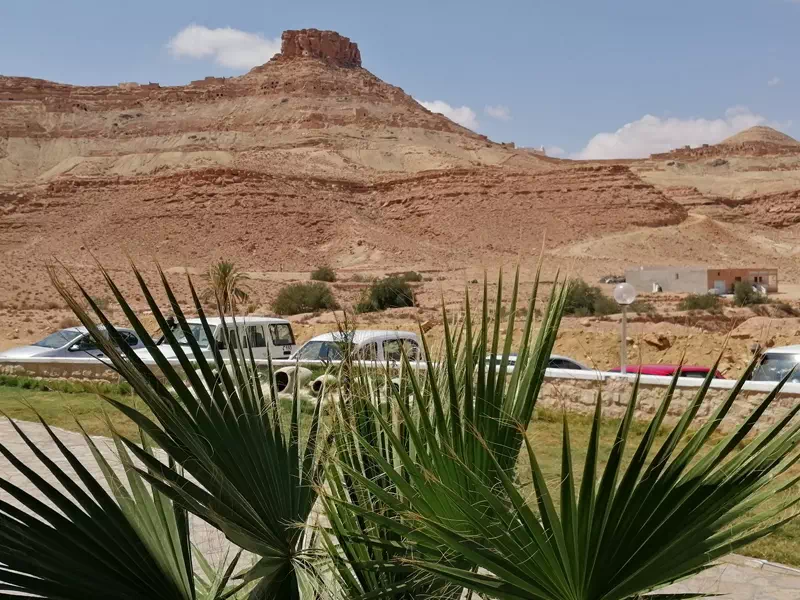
328	46
309	158
311	109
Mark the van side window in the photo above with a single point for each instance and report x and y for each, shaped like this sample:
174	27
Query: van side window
368	352
281	334
129	338
255	336
232	339
391	349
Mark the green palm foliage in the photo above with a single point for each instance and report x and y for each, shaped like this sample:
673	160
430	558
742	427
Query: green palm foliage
447	503
354	545
247	472
444	406
226	286
420	482
88	543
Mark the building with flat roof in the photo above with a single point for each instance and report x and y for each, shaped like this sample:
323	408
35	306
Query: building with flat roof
700	280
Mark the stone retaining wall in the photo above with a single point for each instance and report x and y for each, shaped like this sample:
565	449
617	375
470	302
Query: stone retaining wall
575	391
580	396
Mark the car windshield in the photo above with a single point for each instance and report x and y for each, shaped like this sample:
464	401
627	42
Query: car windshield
321	351
774	367
59	339
197	331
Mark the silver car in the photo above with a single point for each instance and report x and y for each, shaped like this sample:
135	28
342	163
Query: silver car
73	342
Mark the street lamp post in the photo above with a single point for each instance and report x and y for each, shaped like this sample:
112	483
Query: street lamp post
624	294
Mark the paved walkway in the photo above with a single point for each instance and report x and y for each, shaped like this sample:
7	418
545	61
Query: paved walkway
737	578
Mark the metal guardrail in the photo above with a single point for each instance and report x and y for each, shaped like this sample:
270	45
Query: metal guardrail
550	374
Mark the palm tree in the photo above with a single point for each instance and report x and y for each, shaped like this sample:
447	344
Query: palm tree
248	473
225	286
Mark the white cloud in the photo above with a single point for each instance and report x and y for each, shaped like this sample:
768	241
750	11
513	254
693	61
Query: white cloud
227	47
463	115
555	151
775	81
651	134
499	111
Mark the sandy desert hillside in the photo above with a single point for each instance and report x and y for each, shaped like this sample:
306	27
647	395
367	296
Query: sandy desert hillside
307	158
310	158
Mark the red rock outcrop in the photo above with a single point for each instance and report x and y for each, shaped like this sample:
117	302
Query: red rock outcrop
307	159
328	46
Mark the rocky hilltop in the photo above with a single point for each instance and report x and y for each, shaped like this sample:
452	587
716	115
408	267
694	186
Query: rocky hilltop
328	46
310	158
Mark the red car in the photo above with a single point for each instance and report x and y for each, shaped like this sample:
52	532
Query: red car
669	370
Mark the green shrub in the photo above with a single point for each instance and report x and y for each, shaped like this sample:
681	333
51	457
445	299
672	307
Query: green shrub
323	273
584	300
700	302
65	386
787	309
304	297
410	276
390	292
642	307
745	295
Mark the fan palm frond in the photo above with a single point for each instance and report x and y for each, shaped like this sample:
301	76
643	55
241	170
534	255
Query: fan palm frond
247	472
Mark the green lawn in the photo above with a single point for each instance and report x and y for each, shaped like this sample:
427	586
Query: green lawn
783	546
61	409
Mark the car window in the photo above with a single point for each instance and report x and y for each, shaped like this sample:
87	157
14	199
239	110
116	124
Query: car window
281	334
694	374
562	363
320	351
129	338
774	367
255	336
195	330
233	339
392	349
59	339
368	352
85	343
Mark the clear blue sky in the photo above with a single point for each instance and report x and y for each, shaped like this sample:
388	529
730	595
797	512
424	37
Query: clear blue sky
566	70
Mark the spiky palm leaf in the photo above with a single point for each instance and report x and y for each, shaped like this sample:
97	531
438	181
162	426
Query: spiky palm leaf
251	475
625	532
447	403
354	544
131	543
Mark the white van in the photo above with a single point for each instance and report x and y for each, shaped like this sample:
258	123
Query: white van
266	336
